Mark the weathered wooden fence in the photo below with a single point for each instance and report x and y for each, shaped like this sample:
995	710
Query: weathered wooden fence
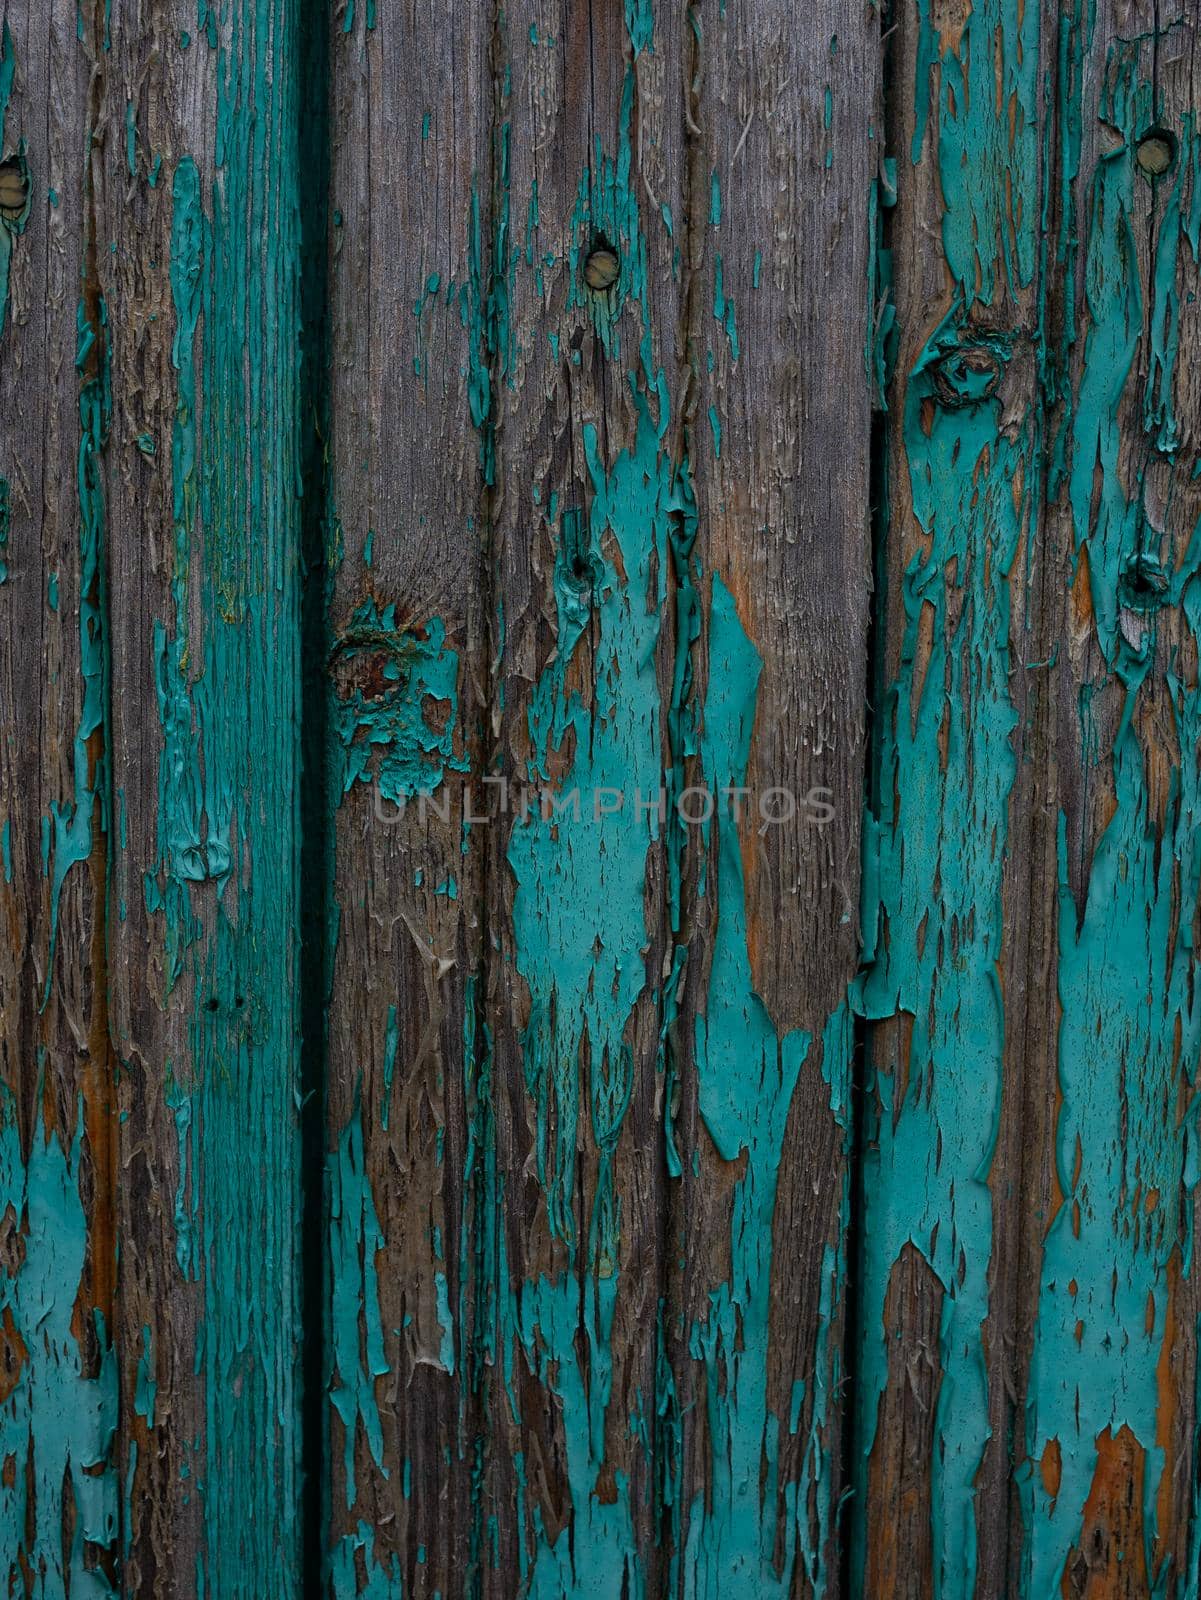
600	798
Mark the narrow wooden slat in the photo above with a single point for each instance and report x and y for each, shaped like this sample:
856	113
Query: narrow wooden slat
1108	1500
410	194
784	146
58	1395
198	237
587	213
956	789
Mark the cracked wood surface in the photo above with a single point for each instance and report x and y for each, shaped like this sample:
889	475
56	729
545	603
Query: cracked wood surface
418	1185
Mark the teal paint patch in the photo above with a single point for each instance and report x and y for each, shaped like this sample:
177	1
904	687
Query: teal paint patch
145	1387
715	429
933	884
446	1349
131	139
184	1217
1121	1242
934	852
57	1425
391	1045
580	940
723	307
356	1331
228	789
182	839
389	685
382	1583
747	1074
580	879
988	140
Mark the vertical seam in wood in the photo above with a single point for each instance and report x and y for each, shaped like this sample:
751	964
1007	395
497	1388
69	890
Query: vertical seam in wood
312	154
99	1081
847	1542
480	1203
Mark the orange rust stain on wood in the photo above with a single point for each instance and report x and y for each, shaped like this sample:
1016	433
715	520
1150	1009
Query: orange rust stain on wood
898	1553
13	1355
1051	1468
1109	1563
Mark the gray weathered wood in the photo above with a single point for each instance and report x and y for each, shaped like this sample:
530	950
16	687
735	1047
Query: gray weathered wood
411	102
198	244
1108	1302
587	219
58	1490
783	159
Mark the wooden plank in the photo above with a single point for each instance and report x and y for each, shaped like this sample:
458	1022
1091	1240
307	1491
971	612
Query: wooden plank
783	158
198	223
584	433
408	667
58	1397
1108	1501
955	822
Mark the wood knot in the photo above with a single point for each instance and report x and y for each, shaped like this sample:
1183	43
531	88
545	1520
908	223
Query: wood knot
14	189
369	663
1144	583
968	375
1156	151
602	268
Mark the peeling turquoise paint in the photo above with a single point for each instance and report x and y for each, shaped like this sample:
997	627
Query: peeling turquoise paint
1130	1030
56	1425
228	786
357	1337
934	853
385	679
145	1387
381	1583
933	883
746	1075
131	138
580	937
183	858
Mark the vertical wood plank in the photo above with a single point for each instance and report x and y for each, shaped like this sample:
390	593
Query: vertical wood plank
58	1396
198	232
954	824
587	201
1108	1500
407	670
784	147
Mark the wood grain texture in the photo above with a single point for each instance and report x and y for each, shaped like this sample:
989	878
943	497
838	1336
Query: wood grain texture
58	1388
784	153
587	188
1108	1508
947	864
487	1108
407	670
199	228
1026	1387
